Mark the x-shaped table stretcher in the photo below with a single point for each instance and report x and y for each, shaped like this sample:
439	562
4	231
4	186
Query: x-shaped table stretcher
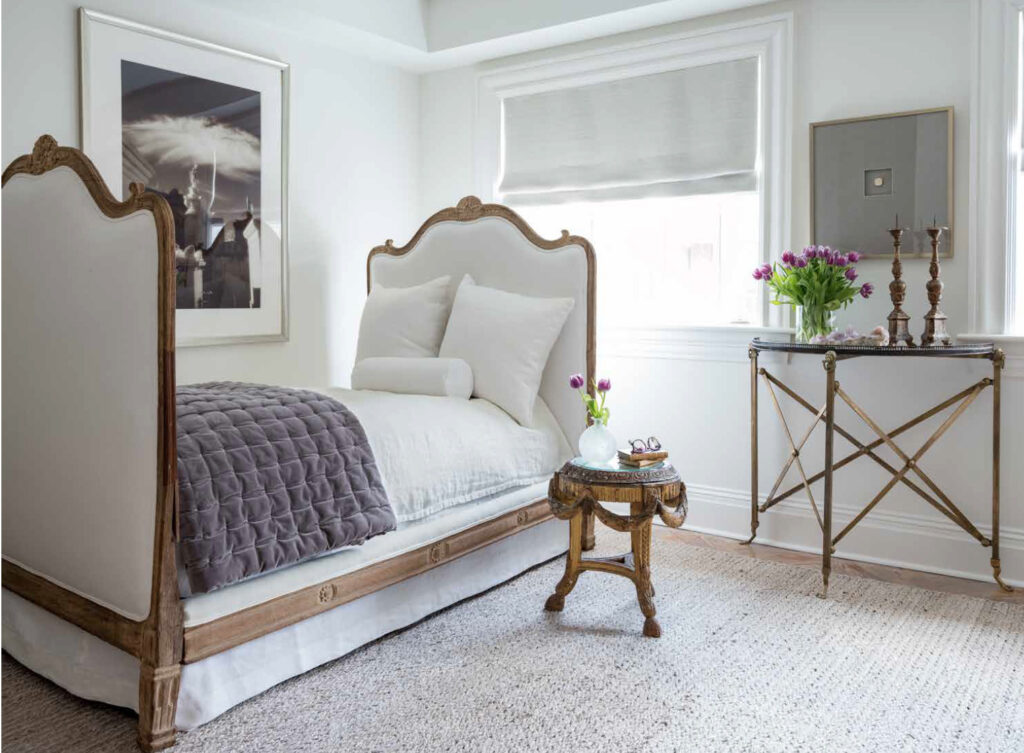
910	463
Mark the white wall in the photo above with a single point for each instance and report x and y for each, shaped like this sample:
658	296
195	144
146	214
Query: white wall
353	156
851	57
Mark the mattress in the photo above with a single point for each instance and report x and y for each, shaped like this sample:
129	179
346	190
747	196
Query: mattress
438	452
210	606
435	454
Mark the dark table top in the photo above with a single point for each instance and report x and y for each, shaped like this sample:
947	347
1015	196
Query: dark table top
974	350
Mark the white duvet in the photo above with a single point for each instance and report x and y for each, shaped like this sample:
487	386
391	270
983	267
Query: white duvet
438	452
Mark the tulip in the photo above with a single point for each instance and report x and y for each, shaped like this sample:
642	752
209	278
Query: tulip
851	274
788	257
576	381
853	256
866	290
801	262
604	385
757	274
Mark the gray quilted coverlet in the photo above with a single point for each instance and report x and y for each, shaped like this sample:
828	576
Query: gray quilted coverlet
267	477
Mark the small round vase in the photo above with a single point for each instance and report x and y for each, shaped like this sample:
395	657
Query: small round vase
597	444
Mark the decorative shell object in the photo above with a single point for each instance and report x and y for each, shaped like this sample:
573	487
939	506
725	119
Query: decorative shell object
877	338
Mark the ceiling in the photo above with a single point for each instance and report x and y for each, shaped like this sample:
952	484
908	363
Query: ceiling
425	35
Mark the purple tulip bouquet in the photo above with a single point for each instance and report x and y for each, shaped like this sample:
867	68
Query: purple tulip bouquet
595	407
818	281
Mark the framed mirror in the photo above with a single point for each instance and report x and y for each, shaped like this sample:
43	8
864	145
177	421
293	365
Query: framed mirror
866	172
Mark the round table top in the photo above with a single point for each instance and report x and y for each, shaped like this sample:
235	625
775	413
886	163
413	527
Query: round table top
973	350
615	474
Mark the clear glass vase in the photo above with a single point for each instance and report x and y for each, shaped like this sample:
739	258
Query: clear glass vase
597	444
813	320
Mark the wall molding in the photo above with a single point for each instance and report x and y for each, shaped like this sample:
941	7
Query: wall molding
938	546
726	344
722	344
992	182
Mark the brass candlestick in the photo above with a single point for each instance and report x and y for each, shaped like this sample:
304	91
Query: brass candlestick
899	320
935	334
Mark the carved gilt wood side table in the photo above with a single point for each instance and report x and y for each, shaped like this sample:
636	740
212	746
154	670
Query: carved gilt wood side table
575	494
907	472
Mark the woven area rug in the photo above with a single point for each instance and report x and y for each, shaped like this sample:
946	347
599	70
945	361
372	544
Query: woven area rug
749	660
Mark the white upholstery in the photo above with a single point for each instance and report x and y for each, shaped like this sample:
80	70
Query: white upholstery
497	255
404	322
506	339
442	377
79	391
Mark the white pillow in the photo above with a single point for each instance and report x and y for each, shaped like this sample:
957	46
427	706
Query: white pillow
445	377
506	339
404	322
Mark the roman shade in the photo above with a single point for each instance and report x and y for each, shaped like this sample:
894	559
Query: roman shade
681	132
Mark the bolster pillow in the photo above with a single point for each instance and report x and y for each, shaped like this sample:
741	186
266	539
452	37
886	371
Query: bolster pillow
445	377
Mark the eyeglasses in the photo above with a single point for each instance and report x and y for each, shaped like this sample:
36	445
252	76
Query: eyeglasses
651	444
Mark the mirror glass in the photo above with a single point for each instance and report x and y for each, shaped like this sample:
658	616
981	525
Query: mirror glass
867	171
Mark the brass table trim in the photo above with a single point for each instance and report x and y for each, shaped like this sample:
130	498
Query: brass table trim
933	493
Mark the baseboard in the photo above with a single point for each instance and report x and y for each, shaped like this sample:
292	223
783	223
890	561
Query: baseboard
917	542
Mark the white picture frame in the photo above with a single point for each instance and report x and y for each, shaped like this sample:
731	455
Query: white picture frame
241	299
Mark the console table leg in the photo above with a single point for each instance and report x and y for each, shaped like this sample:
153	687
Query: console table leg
998	361
753	445
830	415
556	601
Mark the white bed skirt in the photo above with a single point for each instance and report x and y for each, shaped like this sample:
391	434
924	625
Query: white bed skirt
90	668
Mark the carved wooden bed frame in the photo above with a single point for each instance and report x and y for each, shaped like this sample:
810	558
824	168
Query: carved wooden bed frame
161	642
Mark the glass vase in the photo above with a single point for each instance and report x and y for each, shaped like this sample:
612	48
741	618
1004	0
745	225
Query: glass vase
813	320
597	444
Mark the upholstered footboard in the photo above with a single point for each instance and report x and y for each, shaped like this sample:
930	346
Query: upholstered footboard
88	425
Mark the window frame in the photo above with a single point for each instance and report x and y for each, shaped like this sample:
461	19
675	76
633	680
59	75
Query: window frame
995	178
768	39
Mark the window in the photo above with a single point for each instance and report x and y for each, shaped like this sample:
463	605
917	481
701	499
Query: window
669	157
1015	323
667	261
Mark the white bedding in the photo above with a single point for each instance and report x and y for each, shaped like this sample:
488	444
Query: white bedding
438	452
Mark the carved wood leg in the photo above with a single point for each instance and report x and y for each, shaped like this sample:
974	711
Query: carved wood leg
158	703
556	601
641	539
589	540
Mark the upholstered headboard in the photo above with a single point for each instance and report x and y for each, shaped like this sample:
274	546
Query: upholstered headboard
496	246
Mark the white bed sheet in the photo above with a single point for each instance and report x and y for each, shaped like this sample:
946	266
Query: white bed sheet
439	452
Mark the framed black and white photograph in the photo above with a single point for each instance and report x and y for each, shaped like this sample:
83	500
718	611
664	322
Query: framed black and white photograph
206	128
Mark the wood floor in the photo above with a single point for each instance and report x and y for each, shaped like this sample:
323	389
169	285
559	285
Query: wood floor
887	573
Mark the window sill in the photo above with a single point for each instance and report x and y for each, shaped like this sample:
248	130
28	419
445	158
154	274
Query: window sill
1013	345
725	342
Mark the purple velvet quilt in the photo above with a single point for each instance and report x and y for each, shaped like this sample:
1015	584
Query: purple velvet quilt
268	477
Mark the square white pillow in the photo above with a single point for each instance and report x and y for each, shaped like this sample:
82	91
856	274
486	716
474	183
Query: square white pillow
506	339
404	322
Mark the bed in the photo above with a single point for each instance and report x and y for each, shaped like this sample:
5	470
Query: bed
89	395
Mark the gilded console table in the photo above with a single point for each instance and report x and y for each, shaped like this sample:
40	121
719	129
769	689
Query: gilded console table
573	495
908	474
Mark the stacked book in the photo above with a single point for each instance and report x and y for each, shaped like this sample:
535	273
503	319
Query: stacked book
641	459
